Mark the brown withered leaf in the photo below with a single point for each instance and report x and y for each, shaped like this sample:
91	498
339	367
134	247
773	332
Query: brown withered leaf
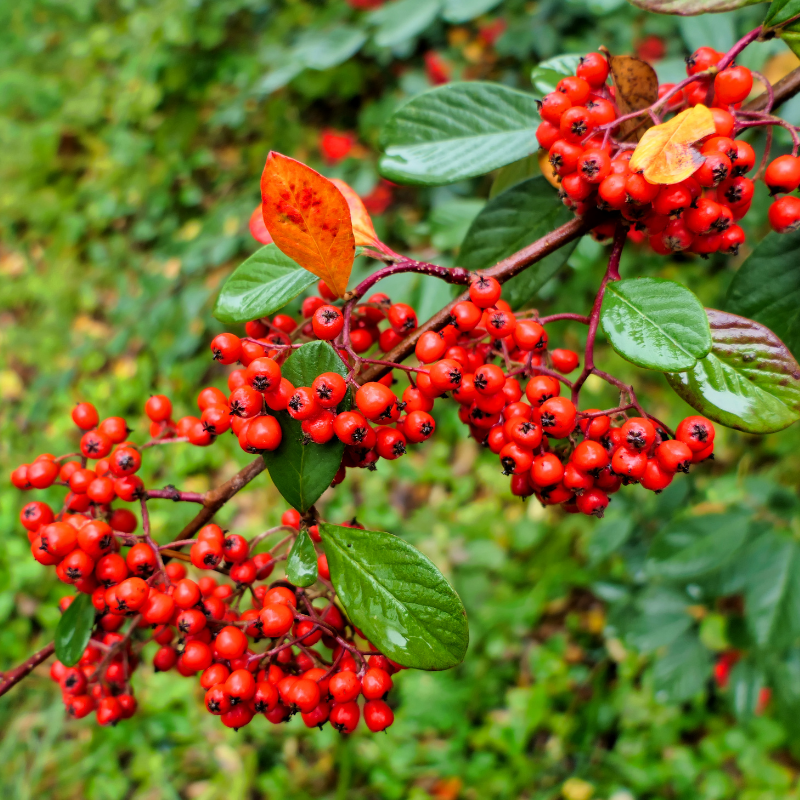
636	85
665	154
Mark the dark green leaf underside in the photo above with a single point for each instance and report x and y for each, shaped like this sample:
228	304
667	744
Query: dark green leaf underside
396	597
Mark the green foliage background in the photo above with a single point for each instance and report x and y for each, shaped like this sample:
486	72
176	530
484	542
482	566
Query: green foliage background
132	135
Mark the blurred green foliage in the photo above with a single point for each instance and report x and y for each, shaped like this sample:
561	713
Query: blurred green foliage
132	134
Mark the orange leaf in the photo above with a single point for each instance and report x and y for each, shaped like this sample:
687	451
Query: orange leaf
665	153
308	219
363	230
257	227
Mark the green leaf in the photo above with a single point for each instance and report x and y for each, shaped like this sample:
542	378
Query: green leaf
791	36
546	74
509	222
748	381
608	536
655	323
302	472
689	8
456	11
682	671
301	566
515	173
688	548
746	682
767	287
781	11
402	20
267	281
396	597
324	49
772	590
74	630
451	220
457	131
662	616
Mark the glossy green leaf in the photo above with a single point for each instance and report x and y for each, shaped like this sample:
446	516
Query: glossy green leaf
457	131
767	287
546	74
260	286
74	630
748	381
402	20
694	546
682	671
396	597
790	34
302	472
654	323
509	222
772	590
689	8
456	11
301	566
781	11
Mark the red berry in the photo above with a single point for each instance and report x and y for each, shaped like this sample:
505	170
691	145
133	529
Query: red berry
327	322
226	348
84	415
783	174
593	68
732	85
784	214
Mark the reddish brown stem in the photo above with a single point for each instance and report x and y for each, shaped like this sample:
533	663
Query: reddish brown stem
12	678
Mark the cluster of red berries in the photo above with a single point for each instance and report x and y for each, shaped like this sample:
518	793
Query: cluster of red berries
197	625
199	630
697	215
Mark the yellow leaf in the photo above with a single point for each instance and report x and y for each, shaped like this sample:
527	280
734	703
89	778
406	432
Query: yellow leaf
666	154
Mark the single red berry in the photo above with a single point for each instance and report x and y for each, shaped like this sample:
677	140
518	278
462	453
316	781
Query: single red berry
592	502
419	426
327	322
85	416
226	348
696	432
344	717
783	174
732	85
158	408
593	68
714	170
402	318
575	88
546	470
485	291
702	59
557	417
378	715
564	360
553	106
656	478
784	214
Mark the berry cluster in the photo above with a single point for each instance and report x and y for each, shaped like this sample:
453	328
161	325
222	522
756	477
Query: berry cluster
197	625
700	213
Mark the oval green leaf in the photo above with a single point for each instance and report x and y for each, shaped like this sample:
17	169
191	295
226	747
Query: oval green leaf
781	11
767	287
690	8
74	630
456	11
403	20
267	281
653	322
396	597
457	131
301	566
510	221
546	74
302	472
749	381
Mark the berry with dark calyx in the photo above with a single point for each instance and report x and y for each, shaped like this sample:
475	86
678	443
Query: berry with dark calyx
327	322
784	214
592	502
696	432
344	717
557	417
674	455
485	291
638	434
226	348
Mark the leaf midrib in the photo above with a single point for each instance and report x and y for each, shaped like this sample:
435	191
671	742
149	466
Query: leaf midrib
386	591
646	317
